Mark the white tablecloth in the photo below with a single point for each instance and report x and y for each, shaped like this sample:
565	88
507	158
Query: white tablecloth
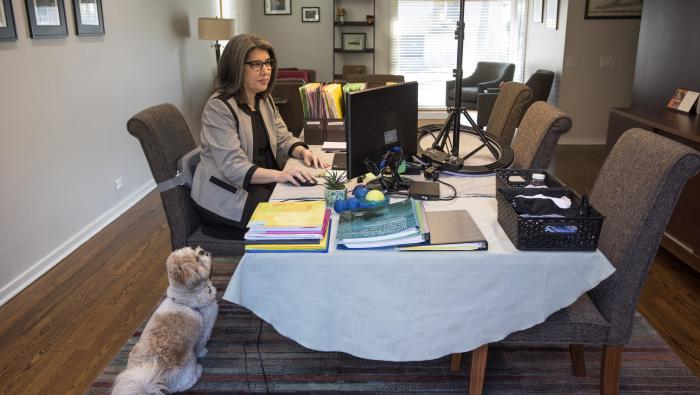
408	306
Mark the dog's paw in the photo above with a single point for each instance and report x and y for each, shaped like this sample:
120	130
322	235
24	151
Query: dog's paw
202	352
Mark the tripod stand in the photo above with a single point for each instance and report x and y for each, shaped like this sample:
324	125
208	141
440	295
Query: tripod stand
451	161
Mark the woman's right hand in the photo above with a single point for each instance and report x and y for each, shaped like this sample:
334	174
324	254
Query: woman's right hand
287	175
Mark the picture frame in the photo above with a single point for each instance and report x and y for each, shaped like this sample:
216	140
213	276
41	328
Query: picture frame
47	18
537	11
683	100
7	21
354	41
551	14
278	7
310	14
602	9
88	17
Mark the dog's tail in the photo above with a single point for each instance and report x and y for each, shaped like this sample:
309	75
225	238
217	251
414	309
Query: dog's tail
140	379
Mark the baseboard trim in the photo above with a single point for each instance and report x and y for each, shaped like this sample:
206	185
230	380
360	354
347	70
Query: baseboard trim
54	257
582	141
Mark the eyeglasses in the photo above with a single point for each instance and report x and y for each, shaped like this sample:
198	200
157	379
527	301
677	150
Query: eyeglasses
257	65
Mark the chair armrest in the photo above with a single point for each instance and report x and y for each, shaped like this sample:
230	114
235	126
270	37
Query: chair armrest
484	107
489	84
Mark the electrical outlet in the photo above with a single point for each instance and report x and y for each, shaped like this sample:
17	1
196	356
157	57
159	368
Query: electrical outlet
118	184
607	62
572	62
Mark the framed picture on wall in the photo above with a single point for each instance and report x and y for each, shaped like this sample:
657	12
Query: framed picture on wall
47	18
88	17
551	14
7	21
537	11
605	9
311	14
278	7
354	41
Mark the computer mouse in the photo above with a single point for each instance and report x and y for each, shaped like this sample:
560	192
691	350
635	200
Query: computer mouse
302	181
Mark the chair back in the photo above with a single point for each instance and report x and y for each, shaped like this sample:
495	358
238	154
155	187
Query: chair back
507	109
286	95
538	135
493	71
307	75
165	138
541	84
383	78
636	190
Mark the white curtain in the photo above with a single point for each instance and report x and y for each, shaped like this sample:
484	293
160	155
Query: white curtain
423	47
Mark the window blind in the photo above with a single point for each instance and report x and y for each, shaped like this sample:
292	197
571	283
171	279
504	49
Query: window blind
423	47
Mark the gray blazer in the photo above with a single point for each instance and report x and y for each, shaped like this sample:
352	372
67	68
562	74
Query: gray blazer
222	179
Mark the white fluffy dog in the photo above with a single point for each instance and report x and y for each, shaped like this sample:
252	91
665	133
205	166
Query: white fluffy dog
165	358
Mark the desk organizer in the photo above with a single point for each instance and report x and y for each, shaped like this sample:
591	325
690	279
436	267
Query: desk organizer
316	131
531	233
503	175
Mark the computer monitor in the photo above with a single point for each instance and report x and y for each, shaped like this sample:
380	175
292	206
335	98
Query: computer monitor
377	119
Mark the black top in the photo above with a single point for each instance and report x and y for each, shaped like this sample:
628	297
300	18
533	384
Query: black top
262	154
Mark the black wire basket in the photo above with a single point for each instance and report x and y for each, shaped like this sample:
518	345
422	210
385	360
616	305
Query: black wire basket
504	180
539	233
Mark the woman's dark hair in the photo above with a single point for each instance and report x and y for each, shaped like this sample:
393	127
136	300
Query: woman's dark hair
231	69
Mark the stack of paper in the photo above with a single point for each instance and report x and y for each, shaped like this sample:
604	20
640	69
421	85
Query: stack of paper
322	101
397	224
289	227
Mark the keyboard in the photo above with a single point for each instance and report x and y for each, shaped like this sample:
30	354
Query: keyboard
340	161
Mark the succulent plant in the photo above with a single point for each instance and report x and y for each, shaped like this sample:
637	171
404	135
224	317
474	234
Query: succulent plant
335	179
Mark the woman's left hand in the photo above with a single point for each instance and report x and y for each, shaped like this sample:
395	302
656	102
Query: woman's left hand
311	159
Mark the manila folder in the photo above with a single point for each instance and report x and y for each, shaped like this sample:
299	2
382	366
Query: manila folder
453	226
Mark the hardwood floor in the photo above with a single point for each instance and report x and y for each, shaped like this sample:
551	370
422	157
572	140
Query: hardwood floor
61	331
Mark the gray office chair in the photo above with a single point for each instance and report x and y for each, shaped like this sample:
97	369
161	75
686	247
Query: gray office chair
636	191
508	107
486	75
540	82
165	138
537	136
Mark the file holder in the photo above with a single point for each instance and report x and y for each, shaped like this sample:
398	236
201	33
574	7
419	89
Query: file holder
313	131
334	130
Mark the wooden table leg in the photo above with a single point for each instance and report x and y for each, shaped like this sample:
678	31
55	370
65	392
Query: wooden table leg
476	376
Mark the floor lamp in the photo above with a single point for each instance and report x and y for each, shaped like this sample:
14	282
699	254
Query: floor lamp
216	29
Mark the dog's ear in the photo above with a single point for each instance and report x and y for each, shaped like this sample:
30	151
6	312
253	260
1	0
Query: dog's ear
182	267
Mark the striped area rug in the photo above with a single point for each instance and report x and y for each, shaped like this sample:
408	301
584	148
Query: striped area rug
247	355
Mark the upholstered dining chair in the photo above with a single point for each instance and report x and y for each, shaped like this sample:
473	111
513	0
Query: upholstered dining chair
636	191
165	138
540	82
486	75
507	110
537	136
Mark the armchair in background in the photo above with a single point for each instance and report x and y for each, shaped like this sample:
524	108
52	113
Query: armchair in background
486	75
540	82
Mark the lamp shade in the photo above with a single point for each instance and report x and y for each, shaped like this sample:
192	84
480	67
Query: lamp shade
216	28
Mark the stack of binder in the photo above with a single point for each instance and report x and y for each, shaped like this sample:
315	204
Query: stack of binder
397	224
289	227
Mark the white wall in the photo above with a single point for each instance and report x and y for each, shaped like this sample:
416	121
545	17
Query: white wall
63	110
589	91
310	45
544	48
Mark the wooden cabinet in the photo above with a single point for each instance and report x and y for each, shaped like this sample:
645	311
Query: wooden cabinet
682	236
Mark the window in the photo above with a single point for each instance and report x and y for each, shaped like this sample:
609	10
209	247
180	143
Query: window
423	47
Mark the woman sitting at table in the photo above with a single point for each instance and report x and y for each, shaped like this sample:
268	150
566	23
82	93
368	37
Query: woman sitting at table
245	142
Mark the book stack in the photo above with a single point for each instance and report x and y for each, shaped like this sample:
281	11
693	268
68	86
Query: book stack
397	224
289	227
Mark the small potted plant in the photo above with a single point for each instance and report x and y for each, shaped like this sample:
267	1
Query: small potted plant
335	186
